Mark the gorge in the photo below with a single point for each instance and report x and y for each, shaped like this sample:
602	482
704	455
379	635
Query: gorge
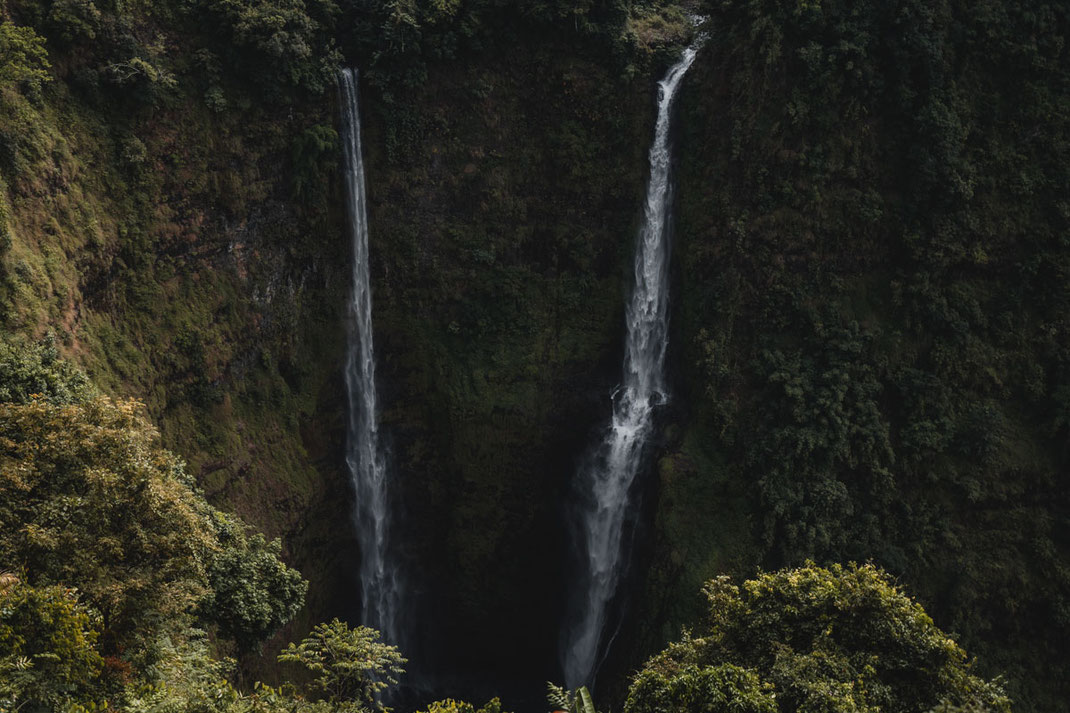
867	349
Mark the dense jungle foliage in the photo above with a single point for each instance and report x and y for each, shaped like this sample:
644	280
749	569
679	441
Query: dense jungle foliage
812	639
870	327
873	252
123	568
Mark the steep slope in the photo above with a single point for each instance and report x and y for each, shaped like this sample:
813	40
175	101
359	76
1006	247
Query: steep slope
149	229
873	315
175	211
500	240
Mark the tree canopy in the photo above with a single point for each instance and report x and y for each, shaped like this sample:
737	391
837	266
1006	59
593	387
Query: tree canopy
23	57
89	499
48	654
842	638
348	665
36	370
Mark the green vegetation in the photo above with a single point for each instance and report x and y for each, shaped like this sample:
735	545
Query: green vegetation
47	646
872	316
252	594
577	701
119	560
127	203
450	705
812	639
23	57
350	666
276	44
870	323
36	371
90	502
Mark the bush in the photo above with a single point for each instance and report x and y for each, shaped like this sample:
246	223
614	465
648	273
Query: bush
252	594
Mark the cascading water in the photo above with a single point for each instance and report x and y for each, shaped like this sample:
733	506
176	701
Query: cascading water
367	467
606	484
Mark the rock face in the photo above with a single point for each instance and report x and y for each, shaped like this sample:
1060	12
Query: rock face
869	335
858	326
185	264
500	240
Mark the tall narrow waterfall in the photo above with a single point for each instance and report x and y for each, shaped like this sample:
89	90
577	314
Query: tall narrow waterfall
367	468
606	483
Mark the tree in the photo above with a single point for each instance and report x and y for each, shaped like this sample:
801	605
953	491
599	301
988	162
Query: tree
703	689
252	592
812	639
286	43
23	57
48	654
73	21
36	370
89	499
449	705
349	665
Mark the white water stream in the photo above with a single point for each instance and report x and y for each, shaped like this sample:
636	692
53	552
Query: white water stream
606	484
364	457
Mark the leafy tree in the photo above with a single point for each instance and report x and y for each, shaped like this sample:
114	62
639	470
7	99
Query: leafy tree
349	665
74	20
23	57
252	593
48	654
88	498
36	370
722	688
812	639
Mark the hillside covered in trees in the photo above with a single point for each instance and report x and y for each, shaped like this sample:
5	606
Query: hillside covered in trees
868	350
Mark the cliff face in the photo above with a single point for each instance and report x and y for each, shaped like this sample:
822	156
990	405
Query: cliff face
871	322
165	250
163	247
870	340
187	248
500	240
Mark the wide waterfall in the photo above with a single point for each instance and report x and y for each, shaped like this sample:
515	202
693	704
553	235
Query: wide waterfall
364	457
606	483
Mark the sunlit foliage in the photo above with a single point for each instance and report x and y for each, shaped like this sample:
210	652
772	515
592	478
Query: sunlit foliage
23	57
48	654
812	639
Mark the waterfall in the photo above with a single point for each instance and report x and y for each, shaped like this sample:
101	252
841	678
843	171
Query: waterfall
605	484
364	457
